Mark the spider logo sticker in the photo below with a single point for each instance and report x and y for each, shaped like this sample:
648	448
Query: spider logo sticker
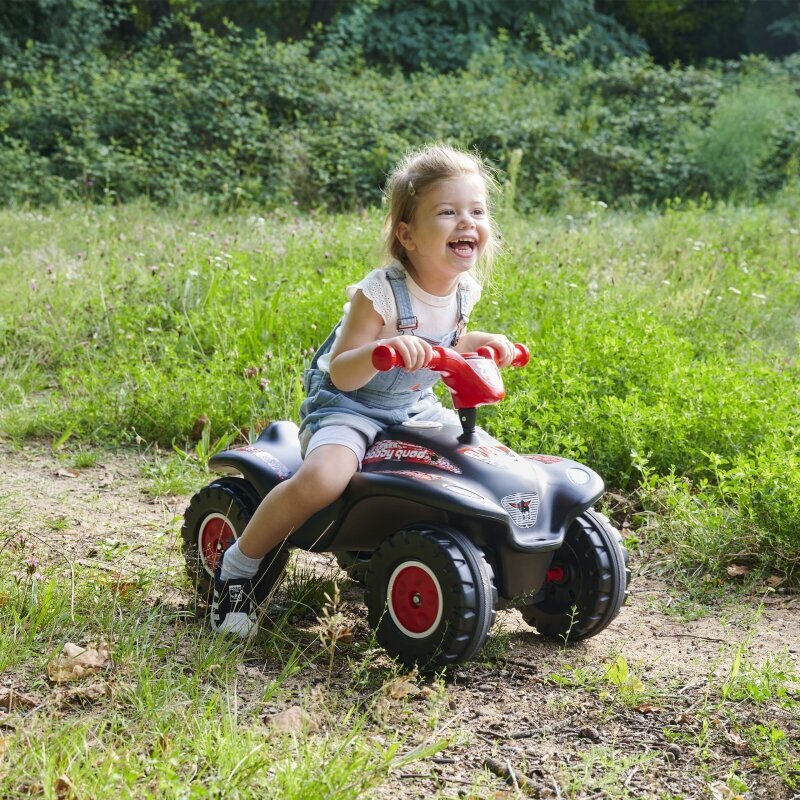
523	508
407	453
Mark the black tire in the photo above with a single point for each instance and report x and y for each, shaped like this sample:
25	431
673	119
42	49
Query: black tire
587	584
355	564
216	516
430	597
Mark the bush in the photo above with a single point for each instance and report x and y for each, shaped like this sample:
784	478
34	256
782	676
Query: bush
245	121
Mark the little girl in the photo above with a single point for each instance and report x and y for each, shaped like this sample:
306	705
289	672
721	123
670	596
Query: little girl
438	234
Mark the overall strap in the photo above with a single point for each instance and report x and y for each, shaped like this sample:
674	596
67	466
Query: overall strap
406	320
326	346
463	319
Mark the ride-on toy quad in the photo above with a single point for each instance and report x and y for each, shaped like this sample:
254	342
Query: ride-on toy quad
444	523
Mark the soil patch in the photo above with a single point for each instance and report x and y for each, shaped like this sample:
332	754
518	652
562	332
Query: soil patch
634	712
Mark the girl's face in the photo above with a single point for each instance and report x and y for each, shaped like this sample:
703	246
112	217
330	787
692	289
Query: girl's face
450	229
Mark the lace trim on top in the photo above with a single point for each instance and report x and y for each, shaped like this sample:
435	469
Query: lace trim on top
375	287
439	314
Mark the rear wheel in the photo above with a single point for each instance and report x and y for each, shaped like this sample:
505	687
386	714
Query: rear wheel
217	515
430	596
587	583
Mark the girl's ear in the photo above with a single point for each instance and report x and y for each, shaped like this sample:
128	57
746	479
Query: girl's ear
403	234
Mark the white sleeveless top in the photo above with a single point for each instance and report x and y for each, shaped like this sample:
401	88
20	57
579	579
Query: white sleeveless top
436	315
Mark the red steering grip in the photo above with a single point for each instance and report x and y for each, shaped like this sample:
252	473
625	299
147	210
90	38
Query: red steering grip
521	358
385	357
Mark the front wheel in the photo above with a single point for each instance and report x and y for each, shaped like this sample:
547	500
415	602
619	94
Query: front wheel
587	583
217	515
430	596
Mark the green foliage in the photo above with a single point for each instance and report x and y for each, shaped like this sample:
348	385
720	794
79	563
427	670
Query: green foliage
691	32
246	121
443	35
749	127
56	27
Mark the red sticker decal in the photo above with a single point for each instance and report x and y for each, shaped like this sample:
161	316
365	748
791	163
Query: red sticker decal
405	452
407	473
492	454
278	467
545	459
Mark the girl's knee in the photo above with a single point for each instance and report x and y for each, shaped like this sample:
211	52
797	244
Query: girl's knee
322	481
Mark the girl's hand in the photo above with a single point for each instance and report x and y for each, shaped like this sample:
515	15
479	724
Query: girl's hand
471	341
415	352
505	348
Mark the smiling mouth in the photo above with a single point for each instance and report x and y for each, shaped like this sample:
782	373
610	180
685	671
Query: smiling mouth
463	247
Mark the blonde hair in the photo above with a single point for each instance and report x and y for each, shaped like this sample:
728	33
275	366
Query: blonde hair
414	175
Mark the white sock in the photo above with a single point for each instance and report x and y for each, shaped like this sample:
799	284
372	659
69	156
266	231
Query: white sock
235	564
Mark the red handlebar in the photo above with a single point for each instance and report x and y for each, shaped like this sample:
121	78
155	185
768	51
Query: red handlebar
521	354
385	357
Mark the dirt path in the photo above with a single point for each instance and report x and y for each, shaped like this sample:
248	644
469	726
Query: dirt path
538	713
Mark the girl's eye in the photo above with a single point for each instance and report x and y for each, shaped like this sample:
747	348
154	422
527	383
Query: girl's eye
479	212
448	211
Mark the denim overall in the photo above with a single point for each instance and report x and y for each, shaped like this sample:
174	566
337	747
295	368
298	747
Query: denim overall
389	398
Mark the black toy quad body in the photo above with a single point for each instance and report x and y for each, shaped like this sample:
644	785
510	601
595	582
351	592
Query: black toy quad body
444	525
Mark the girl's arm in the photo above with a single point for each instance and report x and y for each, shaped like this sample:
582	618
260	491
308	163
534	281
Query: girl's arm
351	357
470	342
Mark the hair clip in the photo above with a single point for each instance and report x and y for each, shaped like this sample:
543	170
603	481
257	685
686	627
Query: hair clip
411	190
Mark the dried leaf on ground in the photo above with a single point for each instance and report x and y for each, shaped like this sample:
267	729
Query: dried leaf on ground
292	720
721	791
66	473
12	700
76	662
401	687
738	571
64	788
120	584
83	694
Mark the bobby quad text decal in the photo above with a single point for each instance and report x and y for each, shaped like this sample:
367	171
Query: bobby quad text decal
405	452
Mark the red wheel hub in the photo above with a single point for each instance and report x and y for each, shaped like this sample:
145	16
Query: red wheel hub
215	535
556	574
415	599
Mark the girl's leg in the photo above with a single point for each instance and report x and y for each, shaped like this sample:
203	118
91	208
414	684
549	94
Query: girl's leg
321	479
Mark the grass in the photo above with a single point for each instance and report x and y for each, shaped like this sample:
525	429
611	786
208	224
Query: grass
665	355
176	707
664	348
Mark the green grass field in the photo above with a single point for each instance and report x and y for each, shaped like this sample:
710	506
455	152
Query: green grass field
664	355
664	347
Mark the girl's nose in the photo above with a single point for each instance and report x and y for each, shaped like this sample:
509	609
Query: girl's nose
466	221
